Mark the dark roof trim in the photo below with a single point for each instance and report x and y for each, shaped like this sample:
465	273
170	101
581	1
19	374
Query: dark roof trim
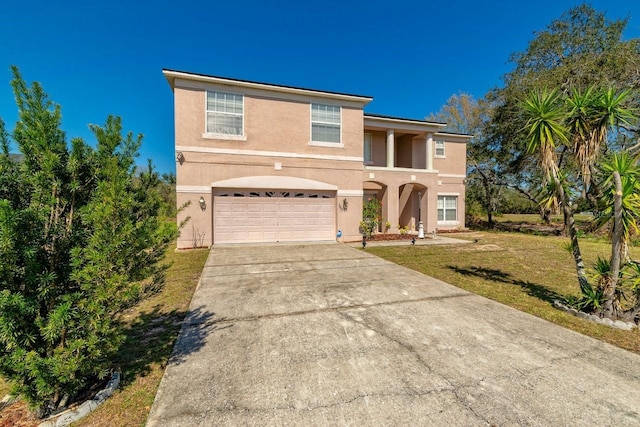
455	134
422	122
369	98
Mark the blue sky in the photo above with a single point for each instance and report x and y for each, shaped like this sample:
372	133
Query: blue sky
96	58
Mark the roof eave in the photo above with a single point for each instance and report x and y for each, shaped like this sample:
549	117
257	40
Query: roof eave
171	75
390	119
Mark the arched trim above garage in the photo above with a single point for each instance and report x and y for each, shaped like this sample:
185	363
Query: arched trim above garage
280	182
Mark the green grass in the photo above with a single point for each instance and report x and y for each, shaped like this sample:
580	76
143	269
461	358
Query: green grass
523	271
4	388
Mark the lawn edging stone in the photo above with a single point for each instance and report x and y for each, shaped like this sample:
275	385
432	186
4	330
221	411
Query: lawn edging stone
71	415
619	324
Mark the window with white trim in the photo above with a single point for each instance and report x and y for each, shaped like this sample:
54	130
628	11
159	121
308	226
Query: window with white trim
439	148
225	113
368	154
447	208
325	123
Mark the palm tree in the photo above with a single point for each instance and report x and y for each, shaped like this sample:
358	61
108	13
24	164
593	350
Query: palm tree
591	116
546	131
582	124
600	113
621	202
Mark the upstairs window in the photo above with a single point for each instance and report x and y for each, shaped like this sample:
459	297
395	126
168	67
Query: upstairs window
368	157
325	123
225	113
439	148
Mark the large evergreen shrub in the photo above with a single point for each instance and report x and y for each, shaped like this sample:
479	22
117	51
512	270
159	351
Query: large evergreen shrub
80	241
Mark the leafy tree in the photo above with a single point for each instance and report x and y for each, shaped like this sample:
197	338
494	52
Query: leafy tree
80	241
580	49
465	114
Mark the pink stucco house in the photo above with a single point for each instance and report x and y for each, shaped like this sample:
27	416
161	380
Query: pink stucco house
262	162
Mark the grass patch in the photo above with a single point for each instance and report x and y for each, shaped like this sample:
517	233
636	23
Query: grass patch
523	271
152	328
4	388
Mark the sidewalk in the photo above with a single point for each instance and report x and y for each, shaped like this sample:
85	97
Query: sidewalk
439	240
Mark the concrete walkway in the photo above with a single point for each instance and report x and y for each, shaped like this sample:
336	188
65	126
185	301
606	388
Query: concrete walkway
325	335
439	240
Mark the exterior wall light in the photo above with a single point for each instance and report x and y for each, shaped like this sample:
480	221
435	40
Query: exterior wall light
180	157
345	204
203	203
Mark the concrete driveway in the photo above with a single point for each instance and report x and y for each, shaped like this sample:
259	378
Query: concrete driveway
324	335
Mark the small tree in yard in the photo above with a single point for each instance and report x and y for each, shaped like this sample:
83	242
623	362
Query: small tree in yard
80	241
370	216
578	125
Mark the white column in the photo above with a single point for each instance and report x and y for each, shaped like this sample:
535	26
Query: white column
391	147
429	151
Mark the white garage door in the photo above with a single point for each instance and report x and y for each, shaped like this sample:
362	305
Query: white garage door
255	216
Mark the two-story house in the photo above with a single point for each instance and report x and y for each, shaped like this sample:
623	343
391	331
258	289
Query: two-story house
259	162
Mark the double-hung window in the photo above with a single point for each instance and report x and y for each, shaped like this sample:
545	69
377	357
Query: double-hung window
368	155
439	148
326	123
447	208
225	113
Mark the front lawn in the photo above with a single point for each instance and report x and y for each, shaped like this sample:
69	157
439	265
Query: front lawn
524	271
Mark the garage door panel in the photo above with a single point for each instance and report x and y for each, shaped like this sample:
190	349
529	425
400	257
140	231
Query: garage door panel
270	222
271	208
239	207
302	222
269	236
273	219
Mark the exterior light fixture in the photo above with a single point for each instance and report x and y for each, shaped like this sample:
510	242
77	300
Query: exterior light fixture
203	203
180	157
345	204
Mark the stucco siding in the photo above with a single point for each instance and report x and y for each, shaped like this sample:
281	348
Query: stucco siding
275	147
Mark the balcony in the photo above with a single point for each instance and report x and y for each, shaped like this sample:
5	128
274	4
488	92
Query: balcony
402	144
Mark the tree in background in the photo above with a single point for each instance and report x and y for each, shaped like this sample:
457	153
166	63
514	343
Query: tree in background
167	189
486	159
580	49
80	241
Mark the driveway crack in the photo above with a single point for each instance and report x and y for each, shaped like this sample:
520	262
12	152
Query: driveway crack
339	308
